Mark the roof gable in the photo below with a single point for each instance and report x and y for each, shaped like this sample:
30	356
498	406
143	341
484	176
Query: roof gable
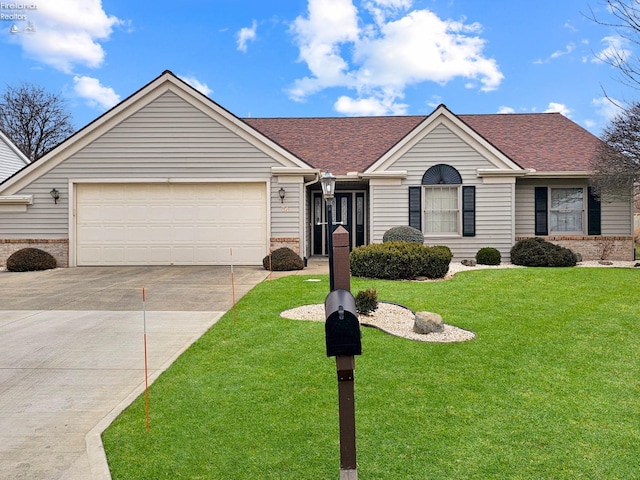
443	116
167	81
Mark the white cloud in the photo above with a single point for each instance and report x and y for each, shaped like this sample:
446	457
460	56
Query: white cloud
369	106
607	108
197	84
616	50
97	95
381	58
567	50
558	108
246	35
504	109
68	33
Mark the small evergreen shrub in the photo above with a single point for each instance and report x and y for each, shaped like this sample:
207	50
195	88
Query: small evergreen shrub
283	259
400	260
536	252
367	301
488	256
30	260
403	234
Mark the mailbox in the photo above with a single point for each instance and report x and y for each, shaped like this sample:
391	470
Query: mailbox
342	329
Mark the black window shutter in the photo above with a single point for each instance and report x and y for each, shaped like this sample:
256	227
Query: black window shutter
468	211
593	219
541	211
415	207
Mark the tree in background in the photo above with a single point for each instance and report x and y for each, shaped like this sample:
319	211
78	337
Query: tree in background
626	23
34	120
616	163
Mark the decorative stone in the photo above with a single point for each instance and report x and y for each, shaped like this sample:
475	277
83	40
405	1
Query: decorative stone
468	263
605	262
428	322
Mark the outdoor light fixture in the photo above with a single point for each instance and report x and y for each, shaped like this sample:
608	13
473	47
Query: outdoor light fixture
328	182
282	193
55	194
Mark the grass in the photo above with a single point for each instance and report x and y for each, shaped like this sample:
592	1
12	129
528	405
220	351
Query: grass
548	389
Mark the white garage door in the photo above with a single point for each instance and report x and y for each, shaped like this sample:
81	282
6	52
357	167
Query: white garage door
171	224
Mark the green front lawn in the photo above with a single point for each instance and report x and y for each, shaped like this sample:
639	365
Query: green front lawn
549	389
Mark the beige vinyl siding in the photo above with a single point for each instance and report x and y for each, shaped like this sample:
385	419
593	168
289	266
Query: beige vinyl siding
285	217
166	139
494	201
616	215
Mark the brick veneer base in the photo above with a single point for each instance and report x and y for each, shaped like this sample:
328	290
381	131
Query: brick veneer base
595	248
292	242
59	248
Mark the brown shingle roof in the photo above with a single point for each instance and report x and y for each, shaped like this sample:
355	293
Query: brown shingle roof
546	142
542	141
338	145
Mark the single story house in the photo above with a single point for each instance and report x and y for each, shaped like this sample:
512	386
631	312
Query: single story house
169	177
11	158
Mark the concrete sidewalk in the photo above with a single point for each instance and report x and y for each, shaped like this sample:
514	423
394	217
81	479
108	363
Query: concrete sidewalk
73	354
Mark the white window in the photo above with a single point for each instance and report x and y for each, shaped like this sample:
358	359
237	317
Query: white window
441	209
566	212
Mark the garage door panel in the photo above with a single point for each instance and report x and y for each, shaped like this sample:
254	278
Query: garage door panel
164	224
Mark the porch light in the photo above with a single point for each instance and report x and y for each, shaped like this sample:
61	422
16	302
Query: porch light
55	194
282	193
328	182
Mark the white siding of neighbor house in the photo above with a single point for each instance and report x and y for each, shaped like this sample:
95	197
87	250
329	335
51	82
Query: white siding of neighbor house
616	215
167	139
10	162
494	201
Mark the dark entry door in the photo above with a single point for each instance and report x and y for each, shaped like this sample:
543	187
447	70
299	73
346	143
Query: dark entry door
348	211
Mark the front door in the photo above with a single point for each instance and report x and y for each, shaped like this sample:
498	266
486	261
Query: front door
348	211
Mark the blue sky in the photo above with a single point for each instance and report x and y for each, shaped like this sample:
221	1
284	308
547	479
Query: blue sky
301	58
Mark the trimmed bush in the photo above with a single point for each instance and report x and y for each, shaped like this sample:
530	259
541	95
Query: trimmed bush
403	234
30	260
488	256
283	259
367	301
400	260
536	252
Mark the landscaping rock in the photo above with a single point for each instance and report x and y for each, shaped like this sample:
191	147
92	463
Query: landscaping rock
468	263
428	322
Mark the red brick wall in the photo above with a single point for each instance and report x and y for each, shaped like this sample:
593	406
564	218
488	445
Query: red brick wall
59	248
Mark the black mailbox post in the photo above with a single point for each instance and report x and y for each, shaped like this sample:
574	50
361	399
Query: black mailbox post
342	329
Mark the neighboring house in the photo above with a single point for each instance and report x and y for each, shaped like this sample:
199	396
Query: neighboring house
170	177
11	158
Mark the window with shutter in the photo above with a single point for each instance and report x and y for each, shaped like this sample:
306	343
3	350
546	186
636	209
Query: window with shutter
541	211
594	214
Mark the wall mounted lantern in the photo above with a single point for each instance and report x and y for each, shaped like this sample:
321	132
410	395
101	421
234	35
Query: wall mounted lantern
55	194
282	193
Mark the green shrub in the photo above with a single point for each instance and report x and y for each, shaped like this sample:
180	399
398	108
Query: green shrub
367	301
29	260
536	252
488	256
403	234
282	259
400	260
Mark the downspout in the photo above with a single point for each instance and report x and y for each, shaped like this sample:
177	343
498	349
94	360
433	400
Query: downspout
305	219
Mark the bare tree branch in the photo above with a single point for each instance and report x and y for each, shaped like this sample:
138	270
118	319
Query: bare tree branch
34	120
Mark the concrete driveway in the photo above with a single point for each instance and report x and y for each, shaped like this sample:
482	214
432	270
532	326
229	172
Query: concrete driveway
72	354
